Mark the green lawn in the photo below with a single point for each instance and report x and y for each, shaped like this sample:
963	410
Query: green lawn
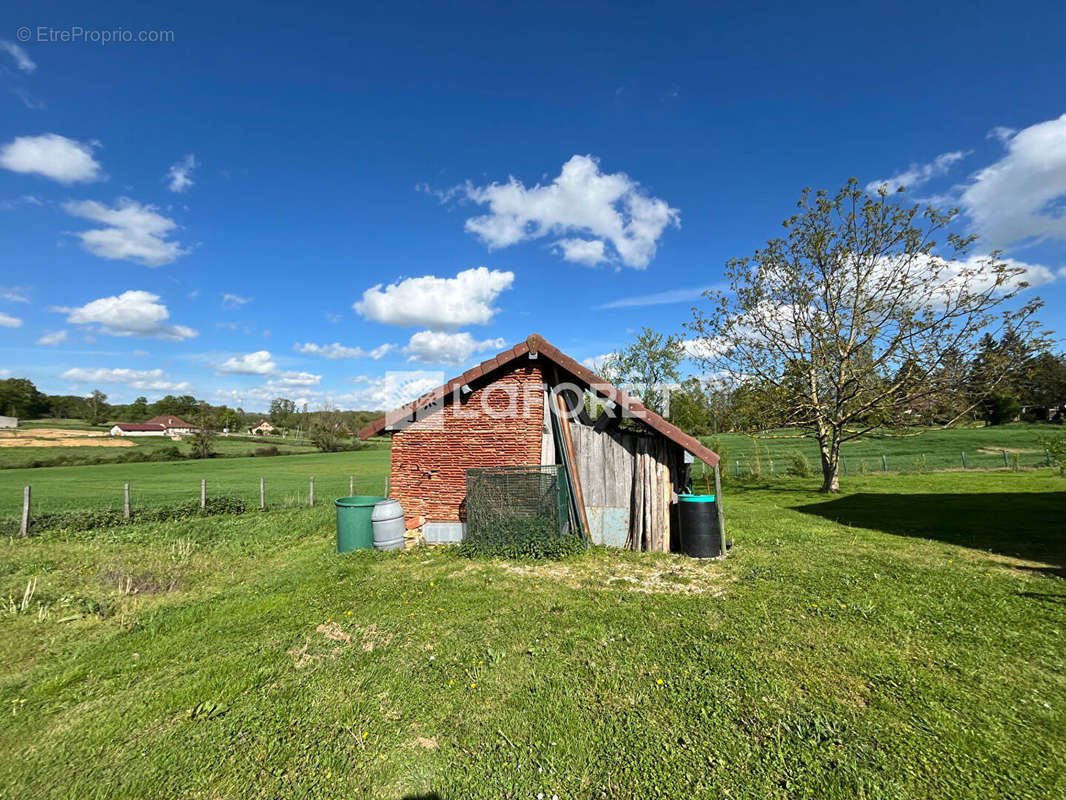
902	640
169	482
25	457
914	450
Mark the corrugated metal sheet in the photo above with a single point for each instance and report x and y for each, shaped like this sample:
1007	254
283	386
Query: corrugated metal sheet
608	525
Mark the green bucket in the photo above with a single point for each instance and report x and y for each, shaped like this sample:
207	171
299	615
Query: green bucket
354	529
696	498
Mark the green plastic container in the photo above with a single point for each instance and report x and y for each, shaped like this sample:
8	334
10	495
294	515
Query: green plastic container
696	498
354	529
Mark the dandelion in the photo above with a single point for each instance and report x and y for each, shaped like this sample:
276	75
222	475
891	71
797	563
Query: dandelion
451	683
349	613
659	681
473	686
431	583
365	734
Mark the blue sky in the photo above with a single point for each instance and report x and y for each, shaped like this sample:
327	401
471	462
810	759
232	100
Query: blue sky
211	214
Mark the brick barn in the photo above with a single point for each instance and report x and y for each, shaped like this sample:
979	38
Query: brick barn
525	407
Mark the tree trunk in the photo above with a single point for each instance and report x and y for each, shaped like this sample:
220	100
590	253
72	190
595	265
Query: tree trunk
830	457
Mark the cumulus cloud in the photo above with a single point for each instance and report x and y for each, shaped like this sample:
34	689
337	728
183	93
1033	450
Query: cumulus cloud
596	363
1020	198
132	313
260	362
179	176
132	232
53	338
917	174
8	321
21	57
437	303
53	156
150	380
337	351
613	218
436	347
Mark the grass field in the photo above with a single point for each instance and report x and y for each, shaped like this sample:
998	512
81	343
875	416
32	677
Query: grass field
169	482
915	450
102	450
902	640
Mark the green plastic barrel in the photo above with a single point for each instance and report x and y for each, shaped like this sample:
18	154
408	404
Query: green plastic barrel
354	529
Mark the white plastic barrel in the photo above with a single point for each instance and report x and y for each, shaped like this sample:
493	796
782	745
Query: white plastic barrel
388	524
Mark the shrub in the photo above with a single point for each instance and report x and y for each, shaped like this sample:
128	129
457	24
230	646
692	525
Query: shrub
522	538
266	451
108	518
799	465
1056	450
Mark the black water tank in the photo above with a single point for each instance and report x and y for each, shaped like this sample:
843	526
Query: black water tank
700	537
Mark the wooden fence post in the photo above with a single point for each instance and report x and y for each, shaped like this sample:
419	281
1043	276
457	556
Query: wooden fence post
126	501
964	459
387	485
718	505
24	529
262	494
1005	462
884	463
203	493
351	486
312	494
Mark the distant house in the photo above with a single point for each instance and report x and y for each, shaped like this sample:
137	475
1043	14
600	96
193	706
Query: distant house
173	426
157	426
137	429
262	428
9	422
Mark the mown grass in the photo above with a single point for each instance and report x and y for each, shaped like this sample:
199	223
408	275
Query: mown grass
911	450
173	482
149	446
916	656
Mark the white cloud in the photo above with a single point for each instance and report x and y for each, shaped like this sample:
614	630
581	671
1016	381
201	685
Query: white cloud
589	252
595	363
337	350
28	100
435	347
260	362
13	294
8	321
151	380
658	298
1020	198
53	338
179	176
134	232
917	174
610	209
52	156
437	303
132	313
234	300
21	57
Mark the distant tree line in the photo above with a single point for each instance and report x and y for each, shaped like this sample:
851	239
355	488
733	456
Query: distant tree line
327	427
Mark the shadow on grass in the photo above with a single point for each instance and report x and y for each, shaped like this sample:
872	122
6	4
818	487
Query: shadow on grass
1028	525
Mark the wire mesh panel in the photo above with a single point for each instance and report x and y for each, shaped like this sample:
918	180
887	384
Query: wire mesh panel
516	508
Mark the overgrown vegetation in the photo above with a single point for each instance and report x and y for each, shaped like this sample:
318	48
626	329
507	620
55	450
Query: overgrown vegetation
93	519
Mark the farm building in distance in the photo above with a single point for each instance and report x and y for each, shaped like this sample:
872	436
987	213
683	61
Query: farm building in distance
525	407
157	426
261	428
9	422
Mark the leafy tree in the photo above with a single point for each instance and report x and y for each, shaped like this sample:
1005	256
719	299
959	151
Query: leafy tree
203	438
650	365
282	412
690	408
96	408
138	410
327	428
823	320
20	398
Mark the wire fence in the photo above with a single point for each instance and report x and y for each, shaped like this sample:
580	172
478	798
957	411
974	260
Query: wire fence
753	465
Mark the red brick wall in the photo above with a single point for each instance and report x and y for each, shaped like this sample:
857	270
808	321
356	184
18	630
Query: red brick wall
429	466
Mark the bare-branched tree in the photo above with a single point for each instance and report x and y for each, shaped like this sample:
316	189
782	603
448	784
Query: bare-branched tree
858	315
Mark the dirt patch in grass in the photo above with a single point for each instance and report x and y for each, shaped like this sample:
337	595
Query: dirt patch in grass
995	451
146	582
423	743
657	576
